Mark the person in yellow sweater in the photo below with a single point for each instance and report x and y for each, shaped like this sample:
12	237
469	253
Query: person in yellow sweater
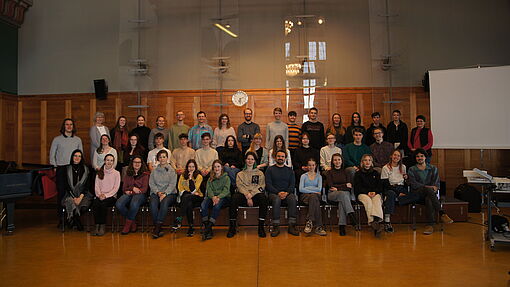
189	195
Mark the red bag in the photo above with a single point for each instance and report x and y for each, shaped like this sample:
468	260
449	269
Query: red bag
49	184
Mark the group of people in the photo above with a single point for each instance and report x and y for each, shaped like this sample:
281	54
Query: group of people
201	167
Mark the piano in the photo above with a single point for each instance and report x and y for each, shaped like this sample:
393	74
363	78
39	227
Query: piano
14	185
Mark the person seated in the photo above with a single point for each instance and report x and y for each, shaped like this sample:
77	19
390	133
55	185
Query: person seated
134	148
152	160
393	176
352	152
262	159
302	154
327	151
104	149
106	188
135	186
163	194
368	189
205	156
279	144
217	196
73	182
190	195
339	183
424	182
250	192
182	154
310	187
280	184
376	124
232	158
381	149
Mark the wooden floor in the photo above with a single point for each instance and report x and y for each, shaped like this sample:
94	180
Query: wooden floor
40	255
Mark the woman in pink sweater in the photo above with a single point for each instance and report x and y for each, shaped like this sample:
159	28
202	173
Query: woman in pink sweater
106	188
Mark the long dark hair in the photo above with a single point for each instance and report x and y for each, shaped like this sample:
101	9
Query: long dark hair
301	136
117	126
186	170
100	172
235	142
82	161
100	148
337	155
254	156
219	121
63	126
275	149
131	170
352	118
138	146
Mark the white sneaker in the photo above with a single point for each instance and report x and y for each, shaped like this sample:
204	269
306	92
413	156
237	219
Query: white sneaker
308	227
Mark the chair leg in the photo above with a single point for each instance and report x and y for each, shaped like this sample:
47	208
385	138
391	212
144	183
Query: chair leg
63	227
413	216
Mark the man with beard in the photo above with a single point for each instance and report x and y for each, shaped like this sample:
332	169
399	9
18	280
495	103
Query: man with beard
247	130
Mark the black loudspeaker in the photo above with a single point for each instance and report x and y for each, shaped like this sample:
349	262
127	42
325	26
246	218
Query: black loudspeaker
101	89
425	82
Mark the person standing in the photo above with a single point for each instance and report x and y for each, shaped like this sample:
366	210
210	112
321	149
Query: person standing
96	131
247	130
142	131
315	129
176	130
397	133
421	137
222	132
120	140
196	132
63	145
355	123
160	128
294	133
275	128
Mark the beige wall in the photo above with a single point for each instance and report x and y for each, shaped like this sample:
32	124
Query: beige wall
64	45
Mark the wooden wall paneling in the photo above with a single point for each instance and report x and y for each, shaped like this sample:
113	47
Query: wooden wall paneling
118	109
157	106
404	98
423	106
386	112
108	108
295	103
197	107
43	127
19	151
31	130
412	111
126	100
68	108
453	163
170	113
56	112
92	110
9	119
185	104
81	114
360	106
144	102
346	105
467	159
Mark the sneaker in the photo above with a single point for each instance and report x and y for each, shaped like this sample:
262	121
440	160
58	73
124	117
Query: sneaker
177	225
319	230
388	227
428	230
308	227
341	230
191	231
276	231
446	219
293	230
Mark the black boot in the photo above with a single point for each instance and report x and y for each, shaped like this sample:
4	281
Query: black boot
232	228
341	230
208	233
77	222
156	233
191	231
261	231
352	219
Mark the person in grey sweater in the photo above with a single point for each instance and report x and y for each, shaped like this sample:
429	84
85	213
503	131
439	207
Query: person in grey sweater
160	128
277	127
96	131
162	183
63	145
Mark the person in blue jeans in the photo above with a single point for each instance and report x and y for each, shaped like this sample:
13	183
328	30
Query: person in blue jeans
162	182
217	196
135	186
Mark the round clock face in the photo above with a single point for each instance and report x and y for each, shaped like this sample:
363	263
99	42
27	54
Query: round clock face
240	98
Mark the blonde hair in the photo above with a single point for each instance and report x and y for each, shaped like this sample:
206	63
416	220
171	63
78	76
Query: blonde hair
252	145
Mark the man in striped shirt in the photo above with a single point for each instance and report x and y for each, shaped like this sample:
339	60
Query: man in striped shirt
294	132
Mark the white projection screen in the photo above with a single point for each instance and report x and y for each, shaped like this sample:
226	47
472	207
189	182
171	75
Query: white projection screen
469	108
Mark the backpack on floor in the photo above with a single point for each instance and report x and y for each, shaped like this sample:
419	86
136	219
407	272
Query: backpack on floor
469	193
